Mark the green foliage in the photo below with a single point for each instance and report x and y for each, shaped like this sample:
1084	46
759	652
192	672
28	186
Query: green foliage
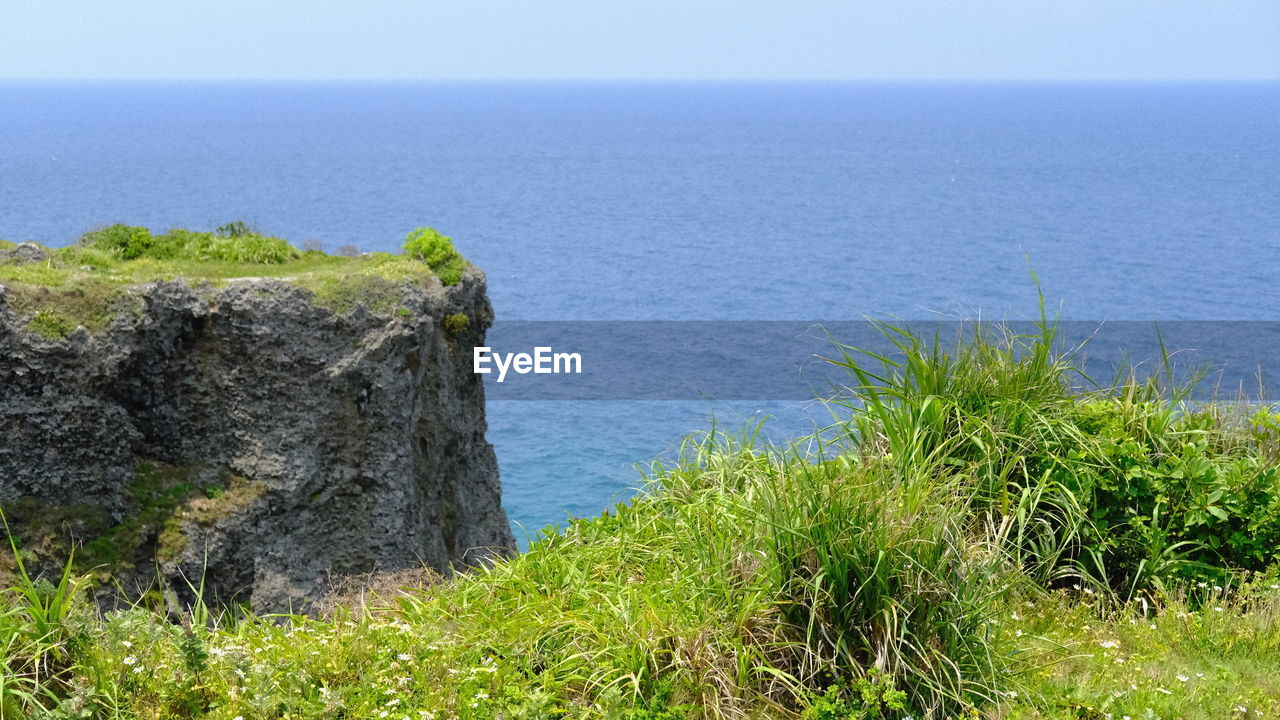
1173	506
867	698
880	570
456	324
1129	486
51	324
437	252
127	242
231	243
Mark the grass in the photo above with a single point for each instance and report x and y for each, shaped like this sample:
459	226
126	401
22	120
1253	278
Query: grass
984	533
94	281
1214	659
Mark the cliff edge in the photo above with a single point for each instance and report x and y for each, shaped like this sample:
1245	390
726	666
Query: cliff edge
265	434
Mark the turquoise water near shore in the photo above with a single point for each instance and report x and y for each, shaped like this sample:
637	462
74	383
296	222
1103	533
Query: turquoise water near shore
693	201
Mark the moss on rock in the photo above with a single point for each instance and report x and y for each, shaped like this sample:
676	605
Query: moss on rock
158	501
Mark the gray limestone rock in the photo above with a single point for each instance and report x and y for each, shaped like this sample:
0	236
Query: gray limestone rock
252	437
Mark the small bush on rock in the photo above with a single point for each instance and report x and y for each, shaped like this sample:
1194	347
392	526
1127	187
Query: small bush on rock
437	251
456	324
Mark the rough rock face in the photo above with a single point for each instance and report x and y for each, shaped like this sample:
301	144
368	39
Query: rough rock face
252	437
23	254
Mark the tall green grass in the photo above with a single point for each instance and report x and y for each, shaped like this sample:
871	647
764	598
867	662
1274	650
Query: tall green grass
1126	485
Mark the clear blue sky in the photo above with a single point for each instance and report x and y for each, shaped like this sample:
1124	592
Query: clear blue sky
650	39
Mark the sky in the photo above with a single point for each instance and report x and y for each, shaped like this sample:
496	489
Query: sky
1226	40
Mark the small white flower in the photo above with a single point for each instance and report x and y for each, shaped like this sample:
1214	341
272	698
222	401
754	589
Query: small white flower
404	657
1109	644
1162	690
126	643
1183	678
130	660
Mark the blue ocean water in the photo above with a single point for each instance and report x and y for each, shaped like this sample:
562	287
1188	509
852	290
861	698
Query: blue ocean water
693	201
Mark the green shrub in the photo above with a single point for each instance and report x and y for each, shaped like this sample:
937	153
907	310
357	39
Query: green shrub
231	243
1129	486
437	252
1171	504
456	324
128	242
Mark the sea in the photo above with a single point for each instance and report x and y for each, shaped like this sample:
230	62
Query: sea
694	202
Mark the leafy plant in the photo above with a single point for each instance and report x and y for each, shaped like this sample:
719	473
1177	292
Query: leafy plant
870	697
437	252
128	242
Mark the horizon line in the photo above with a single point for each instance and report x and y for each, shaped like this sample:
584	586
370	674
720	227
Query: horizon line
657	80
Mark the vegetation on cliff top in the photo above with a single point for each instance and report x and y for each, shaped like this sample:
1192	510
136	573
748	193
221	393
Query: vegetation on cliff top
982	533
88	284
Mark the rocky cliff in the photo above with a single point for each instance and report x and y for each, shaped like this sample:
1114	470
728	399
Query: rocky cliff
251	436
